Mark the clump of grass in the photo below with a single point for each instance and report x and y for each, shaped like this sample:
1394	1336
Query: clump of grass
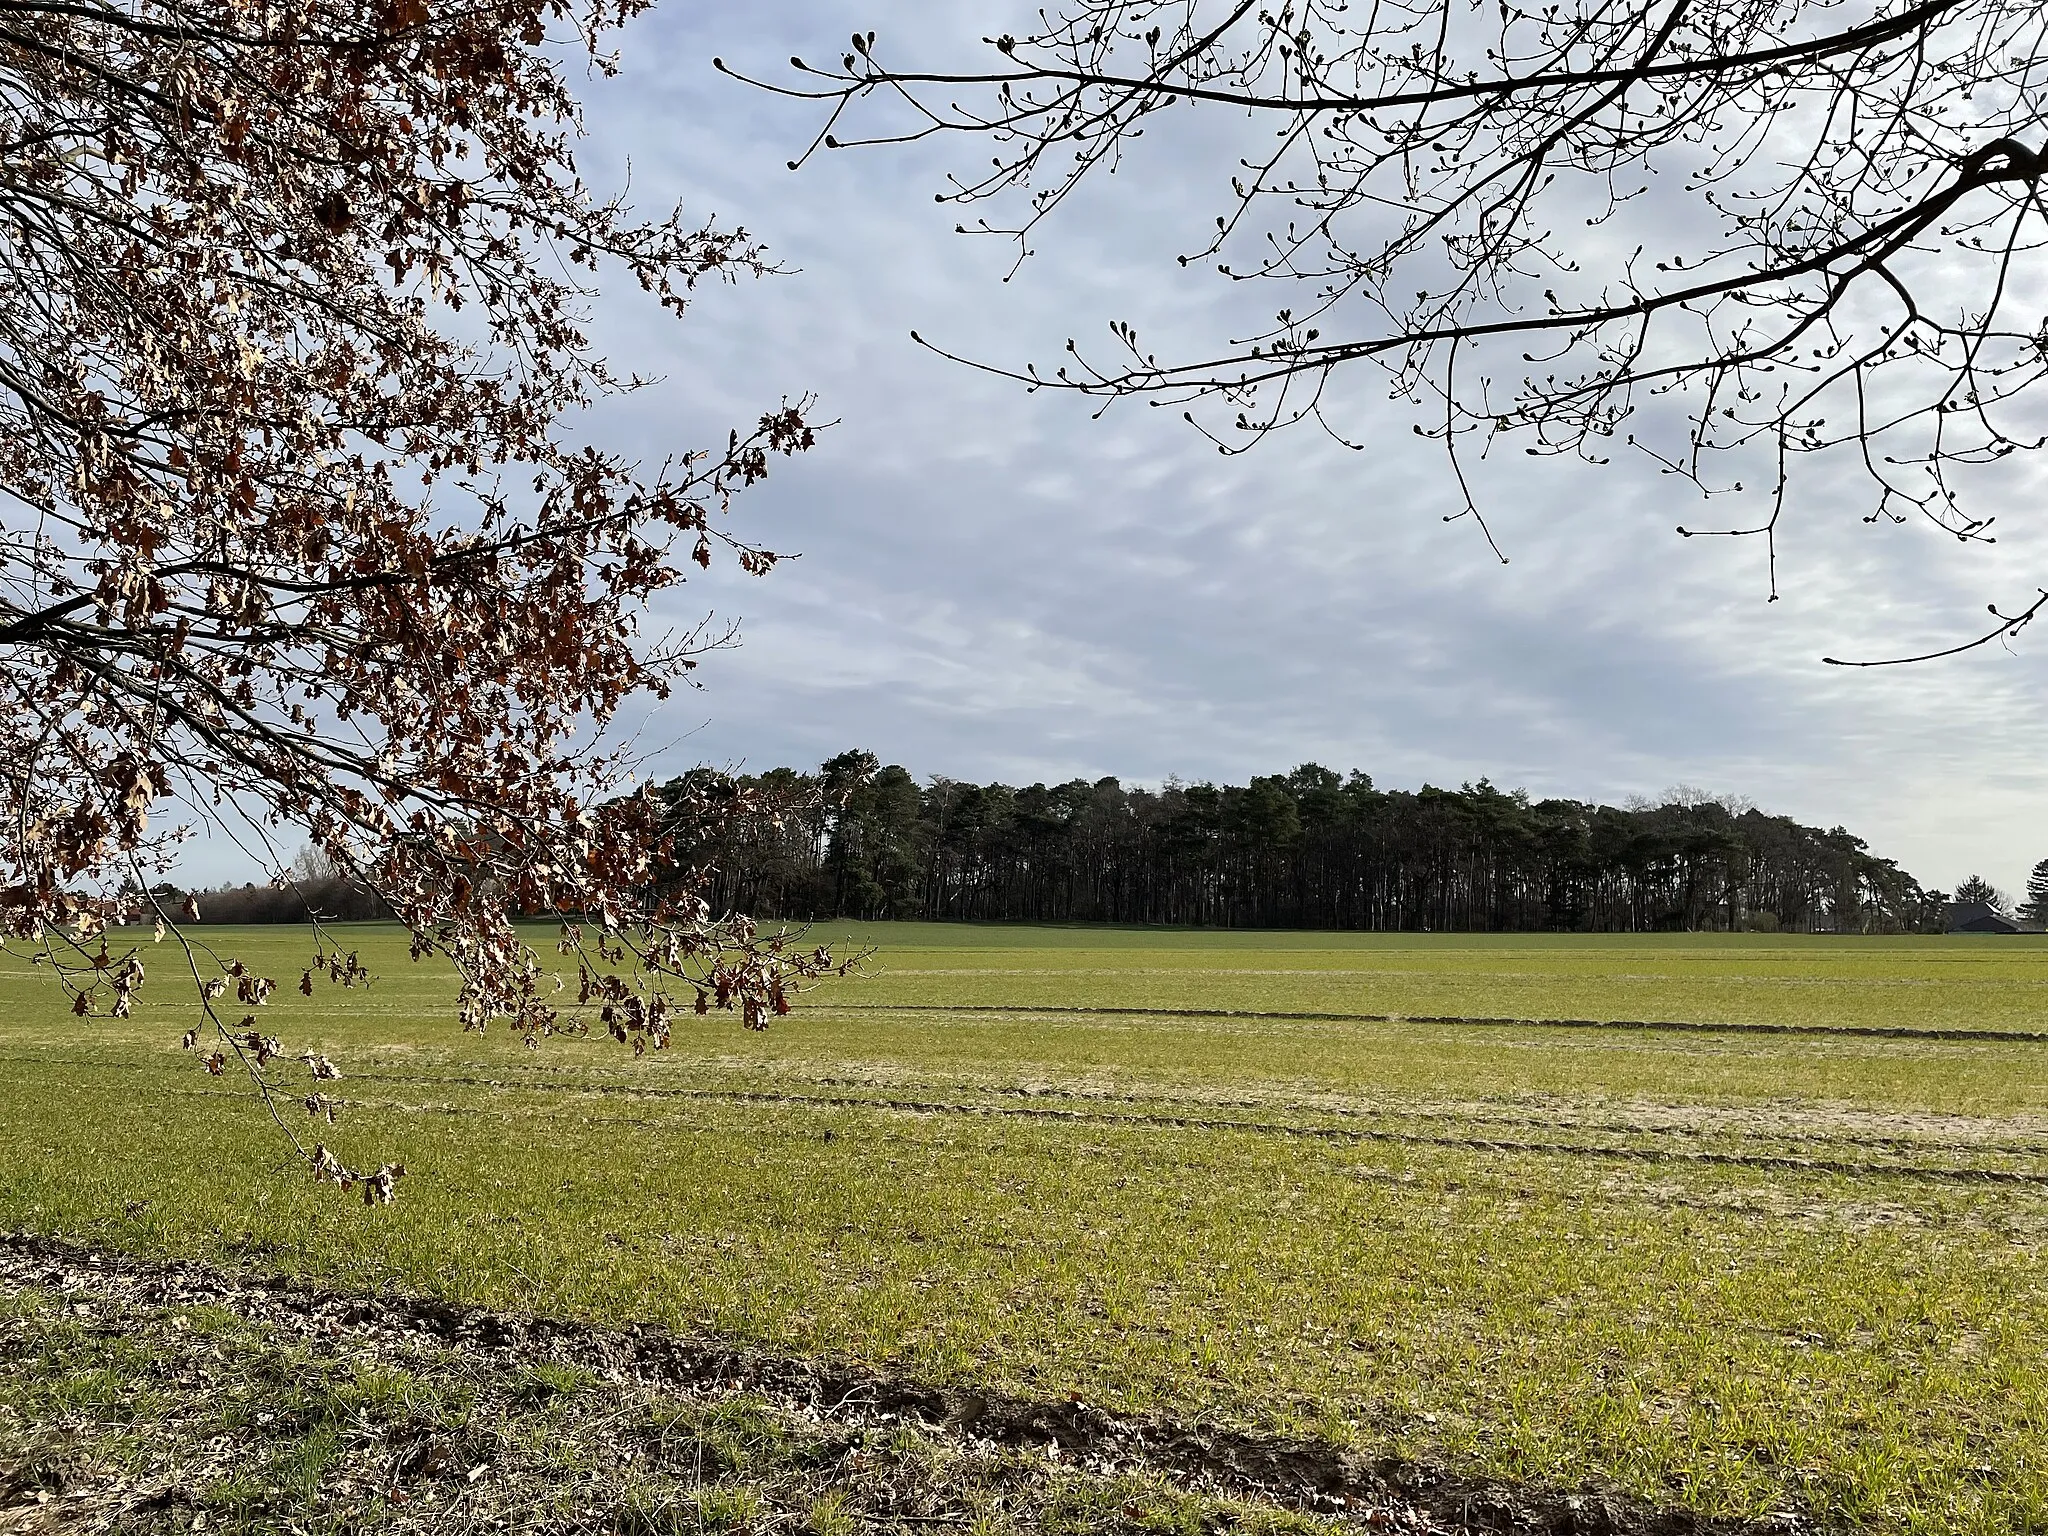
731	1436
380	1392
830	1516
726	1508
544	1379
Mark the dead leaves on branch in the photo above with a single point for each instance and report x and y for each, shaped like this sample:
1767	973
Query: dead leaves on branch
288	548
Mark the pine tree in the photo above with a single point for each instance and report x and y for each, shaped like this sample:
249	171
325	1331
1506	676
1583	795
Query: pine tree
1978	889
2035	908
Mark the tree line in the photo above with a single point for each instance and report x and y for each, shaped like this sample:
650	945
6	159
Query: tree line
1306	849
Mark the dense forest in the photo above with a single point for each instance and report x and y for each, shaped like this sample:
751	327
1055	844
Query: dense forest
1306	849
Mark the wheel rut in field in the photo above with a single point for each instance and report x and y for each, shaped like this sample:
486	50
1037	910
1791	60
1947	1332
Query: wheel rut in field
1356	1135
2027	1145
1675	1026
556	1080
1304	1474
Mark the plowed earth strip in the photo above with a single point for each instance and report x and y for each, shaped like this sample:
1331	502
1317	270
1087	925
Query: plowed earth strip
1865	1031
1295	1473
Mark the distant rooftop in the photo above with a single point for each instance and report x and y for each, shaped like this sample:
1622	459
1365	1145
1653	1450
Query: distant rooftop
1982	917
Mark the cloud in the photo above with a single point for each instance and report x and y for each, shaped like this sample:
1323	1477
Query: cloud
994	584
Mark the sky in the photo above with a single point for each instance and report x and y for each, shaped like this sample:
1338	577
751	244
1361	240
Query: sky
994	584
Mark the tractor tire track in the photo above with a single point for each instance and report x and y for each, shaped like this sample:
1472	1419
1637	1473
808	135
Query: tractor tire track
1677	1026
565	1083
1932	1172
1929	1172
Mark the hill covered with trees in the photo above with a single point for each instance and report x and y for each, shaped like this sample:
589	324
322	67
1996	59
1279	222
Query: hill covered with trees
1306	849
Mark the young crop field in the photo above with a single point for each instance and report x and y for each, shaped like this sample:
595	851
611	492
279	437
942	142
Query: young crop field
1749	1227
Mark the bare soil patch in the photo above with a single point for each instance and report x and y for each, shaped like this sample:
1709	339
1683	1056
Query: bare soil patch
153	1395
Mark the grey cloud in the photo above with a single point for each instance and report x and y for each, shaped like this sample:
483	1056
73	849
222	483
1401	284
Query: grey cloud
992	584
995	585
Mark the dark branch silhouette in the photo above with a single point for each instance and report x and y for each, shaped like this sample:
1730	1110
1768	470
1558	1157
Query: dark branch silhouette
1743	239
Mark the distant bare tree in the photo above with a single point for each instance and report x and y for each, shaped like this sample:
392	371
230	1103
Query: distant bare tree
1735	236
311	863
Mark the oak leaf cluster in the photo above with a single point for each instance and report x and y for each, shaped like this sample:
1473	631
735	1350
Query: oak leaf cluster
295	536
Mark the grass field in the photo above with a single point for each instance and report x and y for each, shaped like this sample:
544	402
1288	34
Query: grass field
1793	1261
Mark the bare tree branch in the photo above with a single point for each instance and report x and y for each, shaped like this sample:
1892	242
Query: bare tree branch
1749	239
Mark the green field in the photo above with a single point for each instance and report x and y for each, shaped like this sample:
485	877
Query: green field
1790	1262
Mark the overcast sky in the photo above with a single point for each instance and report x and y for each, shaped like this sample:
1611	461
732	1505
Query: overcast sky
995	586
